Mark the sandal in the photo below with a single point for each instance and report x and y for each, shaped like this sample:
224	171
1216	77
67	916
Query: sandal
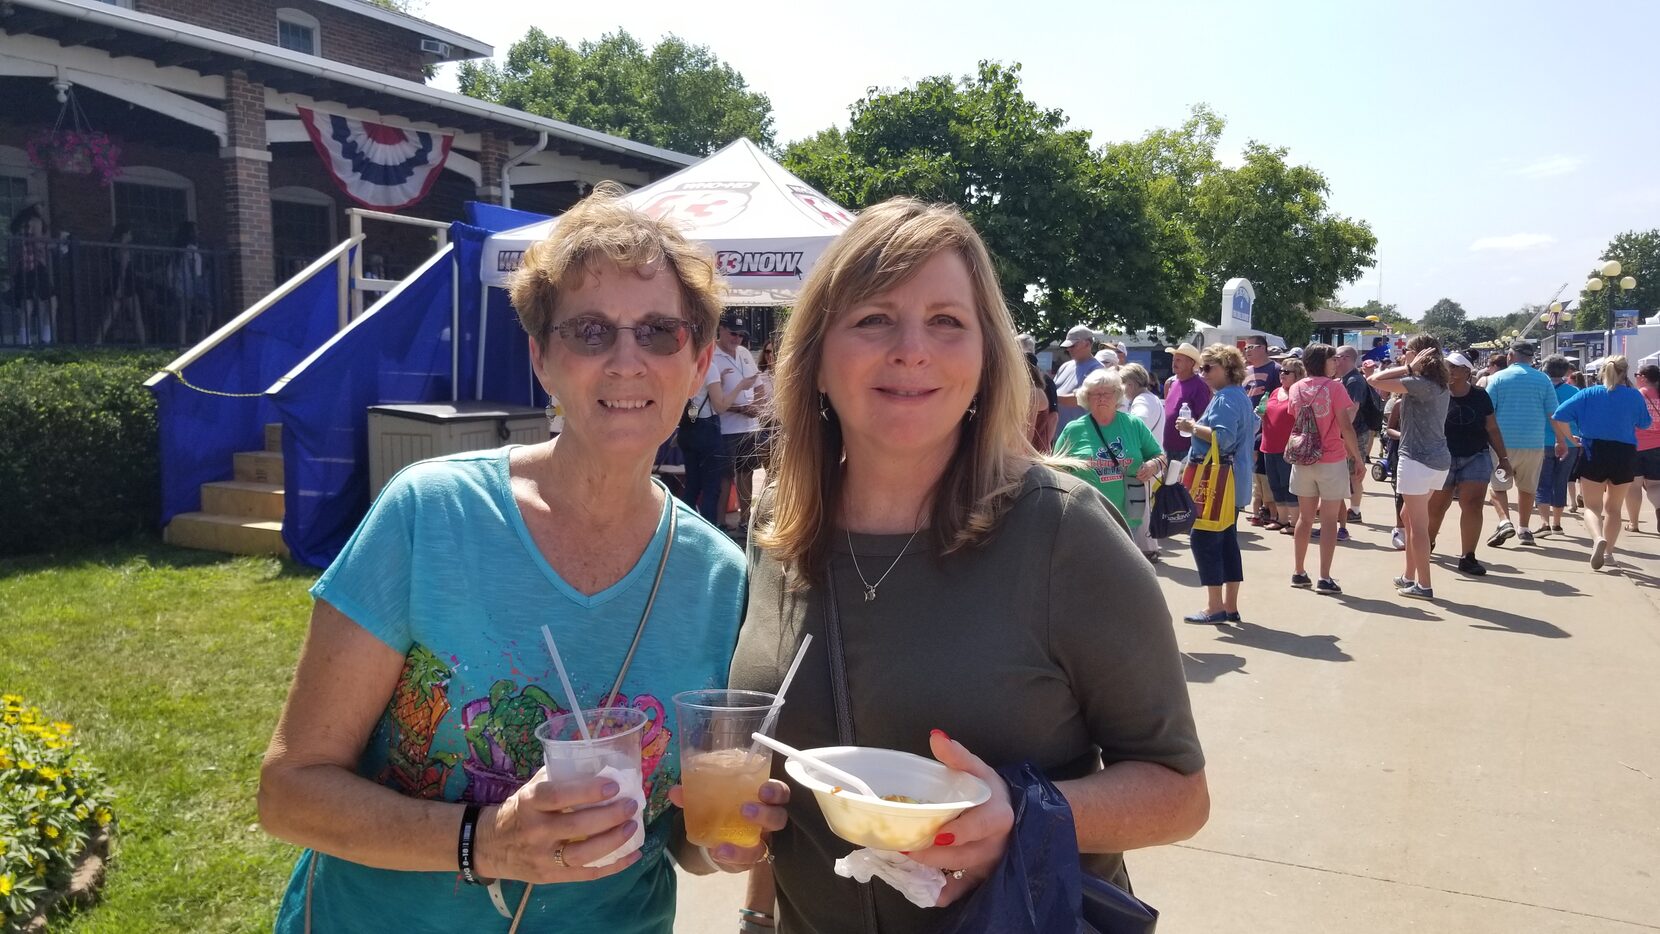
1272	525
1288	530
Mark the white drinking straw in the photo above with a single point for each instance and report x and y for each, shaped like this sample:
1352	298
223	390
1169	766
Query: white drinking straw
565	679
778	704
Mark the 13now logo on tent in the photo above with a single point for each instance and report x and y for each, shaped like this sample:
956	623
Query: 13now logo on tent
765	263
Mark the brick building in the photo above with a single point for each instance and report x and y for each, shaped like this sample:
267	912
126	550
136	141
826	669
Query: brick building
203	97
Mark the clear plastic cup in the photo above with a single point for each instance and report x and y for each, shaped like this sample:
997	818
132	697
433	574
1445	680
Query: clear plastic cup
612	752
719	772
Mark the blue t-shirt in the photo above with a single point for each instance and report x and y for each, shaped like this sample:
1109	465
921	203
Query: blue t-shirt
1564	392
1231	415
1605	414
444	570
1523	400
1068	379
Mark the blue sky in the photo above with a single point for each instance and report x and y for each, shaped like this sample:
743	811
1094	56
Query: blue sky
1495	148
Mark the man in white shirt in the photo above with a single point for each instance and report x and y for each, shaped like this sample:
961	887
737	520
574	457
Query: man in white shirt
740	427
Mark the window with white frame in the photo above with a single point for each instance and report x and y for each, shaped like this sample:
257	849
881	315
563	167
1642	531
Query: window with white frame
153	202
299	32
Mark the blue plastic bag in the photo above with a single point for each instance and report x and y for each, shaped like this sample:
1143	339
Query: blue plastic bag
1039	886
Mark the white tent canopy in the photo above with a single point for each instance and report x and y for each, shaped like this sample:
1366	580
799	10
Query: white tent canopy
766	226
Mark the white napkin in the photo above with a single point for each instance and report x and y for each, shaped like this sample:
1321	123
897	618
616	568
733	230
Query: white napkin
629	785
921	884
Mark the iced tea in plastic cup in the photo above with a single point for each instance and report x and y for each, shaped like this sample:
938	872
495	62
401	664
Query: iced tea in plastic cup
719	772
611	752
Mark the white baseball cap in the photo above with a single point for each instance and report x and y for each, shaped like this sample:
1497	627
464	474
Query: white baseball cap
1457	359
1108	357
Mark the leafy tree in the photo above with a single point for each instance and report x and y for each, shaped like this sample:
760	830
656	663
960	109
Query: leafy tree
1638	253
1075	237
1446	320
677	95
1269	222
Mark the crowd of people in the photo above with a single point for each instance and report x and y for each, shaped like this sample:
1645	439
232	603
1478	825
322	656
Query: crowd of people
1522	436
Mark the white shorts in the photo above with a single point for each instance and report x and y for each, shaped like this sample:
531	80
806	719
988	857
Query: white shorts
1414	479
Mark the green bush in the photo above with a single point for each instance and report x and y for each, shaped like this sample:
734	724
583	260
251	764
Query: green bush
79	460
51	803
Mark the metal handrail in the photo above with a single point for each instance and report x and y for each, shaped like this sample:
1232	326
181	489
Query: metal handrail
386	300
355	217
254	311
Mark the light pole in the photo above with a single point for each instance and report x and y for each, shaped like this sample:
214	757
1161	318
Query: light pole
1606	278
1552	319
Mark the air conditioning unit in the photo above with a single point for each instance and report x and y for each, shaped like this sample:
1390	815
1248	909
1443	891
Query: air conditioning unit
434	47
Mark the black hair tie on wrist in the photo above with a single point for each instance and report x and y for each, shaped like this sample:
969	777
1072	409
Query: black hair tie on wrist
465	843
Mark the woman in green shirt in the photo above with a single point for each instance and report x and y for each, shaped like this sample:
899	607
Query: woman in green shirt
1116	447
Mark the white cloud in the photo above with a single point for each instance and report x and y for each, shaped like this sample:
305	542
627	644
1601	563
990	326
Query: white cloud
1551	167
1519	241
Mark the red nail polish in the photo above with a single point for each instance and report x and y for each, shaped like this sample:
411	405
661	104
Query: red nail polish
945	839
941	735
904	852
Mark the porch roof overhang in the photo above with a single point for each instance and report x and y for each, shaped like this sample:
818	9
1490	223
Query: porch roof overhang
124	33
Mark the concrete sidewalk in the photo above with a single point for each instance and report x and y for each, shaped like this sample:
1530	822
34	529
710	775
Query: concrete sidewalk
1489	762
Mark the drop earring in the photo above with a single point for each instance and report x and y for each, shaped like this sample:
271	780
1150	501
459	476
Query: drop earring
823	406
973	408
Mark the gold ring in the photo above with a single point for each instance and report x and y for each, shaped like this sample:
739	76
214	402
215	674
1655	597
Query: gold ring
559	857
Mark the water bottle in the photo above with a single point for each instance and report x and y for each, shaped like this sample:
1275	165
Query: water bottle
1186	411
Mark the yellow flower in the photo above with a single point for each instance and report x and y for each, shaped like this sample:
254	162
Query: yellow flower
62	727
81	812
40	794
5	763
51	832
50	775
103	816
26	765
5	883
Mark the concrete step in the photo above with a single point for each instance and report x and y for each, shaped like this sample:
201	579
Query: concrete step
230	534
243	500
273	437
258	467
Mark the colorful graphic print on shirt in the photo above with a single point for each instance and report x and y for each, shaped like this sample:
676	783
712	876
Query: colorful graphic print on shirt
1108	462
497	733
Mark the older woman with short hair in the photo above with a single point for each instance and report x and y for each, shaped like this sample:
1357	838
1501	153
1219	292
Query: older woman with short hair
1230	424
1116	449
404	760
979	606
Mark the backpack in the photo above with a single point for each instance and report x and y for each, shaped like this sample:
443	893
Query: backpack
1303	448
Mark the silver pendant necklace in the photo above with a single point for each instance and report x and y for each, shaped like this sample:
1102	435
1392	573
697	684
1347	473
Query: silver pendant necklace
870	589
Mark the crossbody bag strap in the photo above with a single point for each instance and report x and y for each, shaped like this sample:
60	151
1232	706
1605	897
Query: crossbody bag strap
1104	445
628	659
840	699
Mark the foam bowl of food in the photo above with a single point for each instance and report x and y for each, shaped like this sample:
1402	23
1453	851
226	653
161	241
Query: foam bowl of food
918	795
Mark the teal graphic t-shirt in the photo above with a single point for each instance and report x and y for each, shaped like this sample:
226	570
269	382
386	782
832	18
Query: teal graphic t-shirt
443	570
1112	466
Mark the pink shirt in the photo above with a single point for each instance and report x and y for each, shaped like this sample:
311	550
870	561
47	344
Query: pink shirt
1331	403
1649	438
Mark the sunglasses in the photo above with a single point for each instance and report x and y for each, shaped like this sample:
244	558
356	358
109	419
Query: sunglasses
1207	368
592	335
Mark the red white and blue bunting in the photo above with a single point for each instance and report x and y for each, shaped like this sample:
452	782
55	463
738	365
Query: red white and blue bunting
378	166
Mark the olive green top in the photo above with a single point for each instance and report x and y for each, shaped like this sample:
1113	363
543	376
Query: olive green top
1050	642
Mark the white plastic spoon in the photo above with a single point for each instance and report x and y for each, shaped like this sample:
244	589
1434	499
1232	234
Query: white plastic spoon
846	778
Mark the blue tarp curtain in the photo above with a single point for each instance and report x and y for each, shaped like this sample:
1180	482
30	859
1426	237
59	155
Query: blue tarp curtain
399	353
200	431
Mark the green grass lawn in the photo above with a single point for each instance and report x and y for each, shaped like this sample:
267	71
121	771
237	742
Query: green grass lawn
173	665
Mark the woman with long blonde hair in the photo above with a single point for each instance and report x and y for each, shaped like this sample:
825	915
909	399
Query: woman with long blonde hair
1608	417
971	602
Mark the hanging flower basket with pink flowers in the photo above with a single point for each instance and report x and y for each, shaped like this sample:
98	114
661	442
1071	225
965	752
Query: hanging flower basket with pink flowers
73	147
